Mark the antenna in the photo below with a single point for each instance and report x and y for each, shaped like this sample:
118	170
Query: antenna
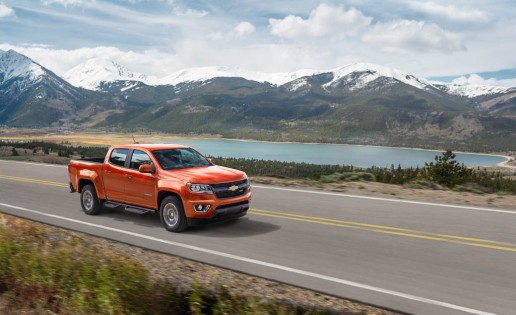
134	140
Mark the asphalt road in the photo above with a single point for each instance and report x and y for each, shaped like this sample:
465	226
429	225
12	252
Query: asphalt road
416	257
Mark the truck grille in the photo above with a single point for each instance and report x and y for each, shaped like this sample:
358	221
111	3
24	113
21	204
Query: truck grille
228	190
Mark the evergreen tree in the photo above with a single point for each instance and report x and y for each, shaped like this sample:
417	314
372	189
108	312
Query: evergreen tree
447	171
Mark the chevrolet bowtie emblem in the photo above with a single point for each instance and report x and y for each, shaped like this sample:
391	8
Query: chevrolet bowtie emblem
233	188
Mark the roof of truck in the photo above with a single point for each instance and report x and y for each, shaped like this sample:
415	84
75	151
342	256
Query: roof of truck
151	146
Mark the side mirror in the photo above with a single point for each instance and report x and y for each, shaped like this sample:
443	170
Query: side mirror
146	168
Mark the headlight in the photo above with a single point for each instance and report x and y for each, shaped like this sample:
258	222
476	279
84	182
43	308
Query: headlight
200	188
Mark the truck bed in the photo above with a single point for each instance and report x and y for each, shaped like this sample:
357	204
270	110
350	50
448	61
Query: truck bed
99	160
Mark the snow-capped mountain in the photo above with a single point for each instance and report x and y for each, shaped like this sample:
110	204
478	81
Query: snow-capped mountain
31	95
100	75
19	70
471	91
203	74
370	72
95	72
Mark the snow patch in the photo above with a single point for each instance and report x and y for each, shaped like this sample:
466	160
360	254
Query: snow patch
297	84
129	86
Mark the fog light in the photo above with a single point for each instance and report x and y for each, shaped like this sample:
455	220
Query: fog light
202	208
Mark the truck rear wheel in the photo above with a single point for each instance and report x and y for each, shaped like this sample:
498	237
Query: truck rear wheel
89	200
172	214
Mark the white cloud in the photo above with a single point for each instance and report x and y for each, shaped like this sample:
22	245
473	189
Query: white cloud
150	38
408	35
242	29
180	10
450	12
5	11
188	12
475	79
67	3
324	21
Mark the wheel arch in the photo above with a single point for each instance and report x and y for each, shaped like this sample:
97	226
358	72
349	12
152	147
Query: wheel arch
162	194
83	182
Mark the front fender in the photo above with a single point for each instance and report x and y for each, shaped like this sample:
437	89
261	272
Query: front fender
172	185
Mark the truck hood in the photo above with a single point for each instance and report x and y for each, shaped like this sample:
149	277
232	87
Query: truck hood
206	175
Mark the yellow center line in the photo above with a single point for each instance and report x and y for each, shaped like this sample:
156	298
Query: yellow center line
469	241
381	227
35	181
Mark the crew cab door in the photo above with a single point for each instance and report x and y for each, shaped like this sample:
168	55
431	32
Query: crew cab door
140	187
115	175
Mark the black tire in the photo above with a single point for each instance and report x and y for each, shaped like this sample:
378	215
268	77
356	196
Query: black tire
90	202
172	214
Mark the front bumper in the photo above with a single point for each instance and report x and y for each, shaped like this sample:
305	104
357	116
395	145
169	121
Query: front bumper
222	213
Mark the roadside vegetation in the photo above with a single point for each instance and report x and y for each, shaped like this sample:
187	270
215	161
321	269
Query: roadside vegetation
442	173
48	272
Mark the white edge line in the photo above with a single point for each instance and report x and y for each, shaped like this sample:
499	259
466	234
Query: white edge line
262	263
387	199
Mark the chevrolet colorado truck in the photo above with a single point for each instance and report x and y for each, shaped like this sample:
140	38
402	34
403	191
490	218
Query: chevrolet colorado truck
176	181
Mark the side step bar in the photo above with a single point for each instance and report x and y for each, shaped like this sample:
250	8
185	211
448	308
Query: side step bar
128	208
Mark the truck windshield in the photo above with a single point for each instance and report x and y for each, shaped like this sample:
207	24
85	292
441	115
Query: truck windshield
173	159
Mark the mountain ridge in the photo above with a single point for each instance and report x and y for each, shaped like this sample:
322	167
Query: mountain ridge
359	103
203	74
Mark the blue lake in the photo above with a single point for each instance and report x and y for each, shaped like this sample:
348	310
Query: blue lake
361	156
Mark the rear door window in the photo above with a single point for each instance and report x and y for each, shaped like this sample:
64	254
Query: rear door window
118	156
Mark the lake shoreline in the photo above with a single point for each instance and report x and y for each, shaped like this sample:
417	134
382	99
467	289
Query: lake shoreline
505	163
506	157
100	138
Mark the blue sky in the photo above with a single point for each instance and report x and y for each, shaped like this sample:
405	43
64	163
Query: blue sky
465	41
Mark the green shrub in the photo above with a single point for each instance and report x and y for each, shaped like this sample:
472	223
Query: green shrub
472	187
423	184
69	275
348	177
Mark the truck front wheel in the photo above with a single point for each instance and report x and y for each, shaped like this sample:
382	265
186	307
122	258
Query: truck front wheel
172	214
89	201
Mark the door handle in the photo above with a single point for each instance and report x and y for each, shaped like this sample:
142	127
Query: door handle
107	172
129	176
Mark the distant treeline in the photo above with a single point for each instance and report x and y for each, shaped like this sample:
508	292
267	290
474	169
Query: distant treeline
444	171
62	149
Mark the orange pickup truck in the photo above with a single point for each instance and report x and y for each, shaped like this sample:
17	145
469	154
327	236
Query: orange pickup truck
176	181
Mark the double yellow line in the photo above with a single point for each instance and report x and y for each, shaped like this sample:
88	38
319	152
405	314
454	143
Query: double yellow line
468	241
35	181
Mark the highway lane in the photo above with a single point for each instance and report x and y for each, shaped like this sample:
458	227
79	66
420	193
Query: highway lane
415	257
